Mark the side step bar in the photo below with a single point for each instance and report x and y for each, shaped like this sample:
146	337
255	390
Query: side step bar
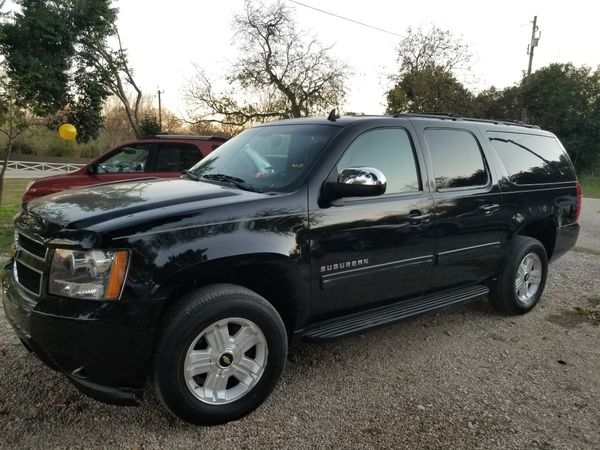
384	315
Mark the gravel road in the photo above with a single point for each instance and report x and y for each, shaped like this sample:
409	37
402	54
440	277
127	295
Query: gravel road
466	377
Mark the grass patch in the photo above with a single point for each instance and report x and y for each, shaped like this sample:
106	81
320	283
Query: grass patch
594	301
10	204
587	251
590	186
592	314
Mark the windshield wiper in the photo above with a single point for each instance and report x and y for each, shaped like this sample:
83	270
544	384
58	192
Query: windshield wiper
235	181
191	175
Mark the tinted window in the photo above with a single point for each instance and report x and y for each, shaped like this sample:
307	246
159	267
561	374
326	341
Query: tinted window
531	159
386	149
456	157
268	158
176	157
132	158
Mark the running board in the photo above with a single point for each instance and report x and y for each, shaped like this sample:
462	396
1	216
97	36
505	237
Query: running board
384	315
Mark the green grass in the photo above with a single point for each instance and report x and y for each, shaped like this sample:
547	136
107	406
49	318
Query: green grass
588	251
590	186
11	201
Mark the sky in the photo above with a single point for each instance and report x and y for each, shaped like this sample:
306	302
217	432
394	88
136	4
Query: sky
166	38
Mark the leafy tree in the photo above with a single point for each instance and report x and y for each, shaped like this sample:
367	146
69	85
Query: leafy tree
430	89
58	56
150	125
281	72
493	103
565	99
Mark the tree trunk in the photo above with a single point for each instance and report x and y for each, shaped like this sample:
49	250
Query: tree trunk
8	151
135	126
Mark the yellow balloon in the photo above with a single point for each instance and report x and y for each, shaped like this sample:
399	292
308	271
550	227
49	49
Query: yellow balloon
67	131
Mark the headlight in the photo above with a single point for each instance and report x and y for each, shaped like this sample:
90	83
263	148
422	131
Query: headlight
90	274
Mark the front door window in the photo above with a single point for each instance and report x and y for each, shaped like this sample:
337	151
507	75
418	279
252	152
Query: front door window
129	159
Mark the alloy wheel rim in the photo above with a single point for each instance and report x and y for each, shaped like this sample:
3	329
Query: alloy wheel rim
528	279
225	361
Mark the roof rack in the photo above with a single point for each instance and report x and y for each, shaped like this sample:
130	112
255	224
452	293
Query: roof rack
455	117
186	136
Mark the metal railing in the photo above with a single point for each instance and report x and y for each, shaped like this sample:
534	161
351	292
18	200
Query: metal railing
42	166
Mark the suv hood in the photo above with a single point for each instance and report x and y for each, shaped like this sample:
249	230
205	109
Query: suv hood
84	207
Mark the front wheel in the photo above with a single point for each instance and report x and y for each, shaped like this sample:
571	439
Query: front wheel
523	277
220	354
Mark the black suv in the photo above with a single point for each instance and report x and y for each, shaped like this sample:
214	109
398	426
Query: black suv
306	229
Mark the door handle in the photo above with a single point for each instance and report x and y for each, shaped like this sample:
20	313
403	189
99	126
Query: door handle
489	209
415	217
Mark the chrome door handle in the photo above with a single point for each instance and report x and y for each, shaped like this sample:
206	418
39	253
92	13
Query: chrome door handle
489	209
416	217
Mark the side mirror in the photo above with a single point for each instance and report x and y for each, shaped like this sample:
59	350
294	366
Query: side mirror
357	182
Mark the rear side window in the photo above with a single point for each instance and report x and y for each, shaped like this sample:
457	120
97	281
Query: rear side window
176	157
532	159
456	157
389	150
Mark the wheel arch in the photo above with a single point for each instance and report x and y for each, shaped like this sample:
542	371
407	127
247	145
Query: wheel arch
543	229
272	276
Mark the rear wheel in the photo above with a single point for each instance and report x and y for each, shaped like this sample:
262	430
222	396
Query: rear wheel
523	277
220	354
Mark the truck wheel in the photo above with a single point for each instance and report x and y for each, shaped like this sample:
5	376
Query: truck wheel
522	278
220	353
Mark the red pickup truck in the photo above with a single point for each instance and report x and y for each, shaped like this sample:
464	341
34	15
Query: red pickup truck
164	156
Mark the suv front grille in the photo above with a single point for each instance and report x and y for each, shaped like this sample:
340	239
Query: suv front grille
29	278
30	260
31	246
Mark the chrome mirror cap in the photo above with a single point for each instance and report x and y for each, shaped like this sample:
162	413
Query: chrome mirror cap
366	176
356	182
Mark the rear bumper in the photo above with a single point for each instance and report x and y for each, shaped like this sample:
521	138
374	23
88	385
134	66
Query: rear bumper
104	349
566	238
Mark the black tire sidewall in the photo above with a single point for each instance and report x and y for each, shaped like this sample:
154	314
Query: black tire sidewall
175	343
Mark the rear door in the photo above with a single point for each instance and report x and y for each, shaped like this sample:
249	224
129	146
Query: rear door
468	222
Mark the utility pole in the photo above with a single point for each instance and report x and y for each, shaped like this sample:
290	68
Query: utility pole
159	92
532	44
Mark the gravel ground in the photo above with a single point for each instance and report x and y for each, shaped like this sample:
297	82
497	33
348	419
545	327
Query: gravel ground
466	377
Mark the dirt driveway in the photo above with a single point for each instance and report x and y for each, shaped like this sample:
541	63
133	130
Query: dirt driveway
463	378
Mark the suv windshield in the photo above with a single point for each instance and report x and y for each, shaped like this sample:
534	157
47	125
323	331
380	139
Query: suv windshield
267	158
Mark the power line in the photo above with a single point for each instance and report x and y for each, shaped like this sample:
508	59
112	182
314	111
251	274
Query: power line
348	19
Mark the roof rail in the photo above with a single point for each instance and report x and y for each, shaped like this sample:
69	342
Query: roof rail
186	136
432	115
453	116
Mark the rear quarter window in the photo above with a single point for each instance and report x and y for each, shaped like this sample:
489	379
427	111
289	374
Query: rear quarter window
531	158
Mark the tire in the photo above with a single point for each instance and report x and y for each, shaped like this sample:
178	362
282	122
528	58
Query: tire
516	291
206	370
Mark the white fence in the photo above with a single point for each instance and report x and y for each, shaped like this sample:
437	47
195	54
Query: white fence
43	166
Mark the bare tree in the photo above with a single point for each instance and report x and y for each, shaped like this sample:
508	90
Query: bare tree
426	80
13	122
117	76
281	73
424	49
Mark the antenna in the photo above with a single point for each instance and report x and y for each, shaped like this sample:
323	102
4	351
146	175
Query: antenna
332	117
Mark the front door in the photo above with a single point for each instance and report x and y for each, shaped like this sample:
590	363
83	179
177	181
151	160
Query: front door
369	250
